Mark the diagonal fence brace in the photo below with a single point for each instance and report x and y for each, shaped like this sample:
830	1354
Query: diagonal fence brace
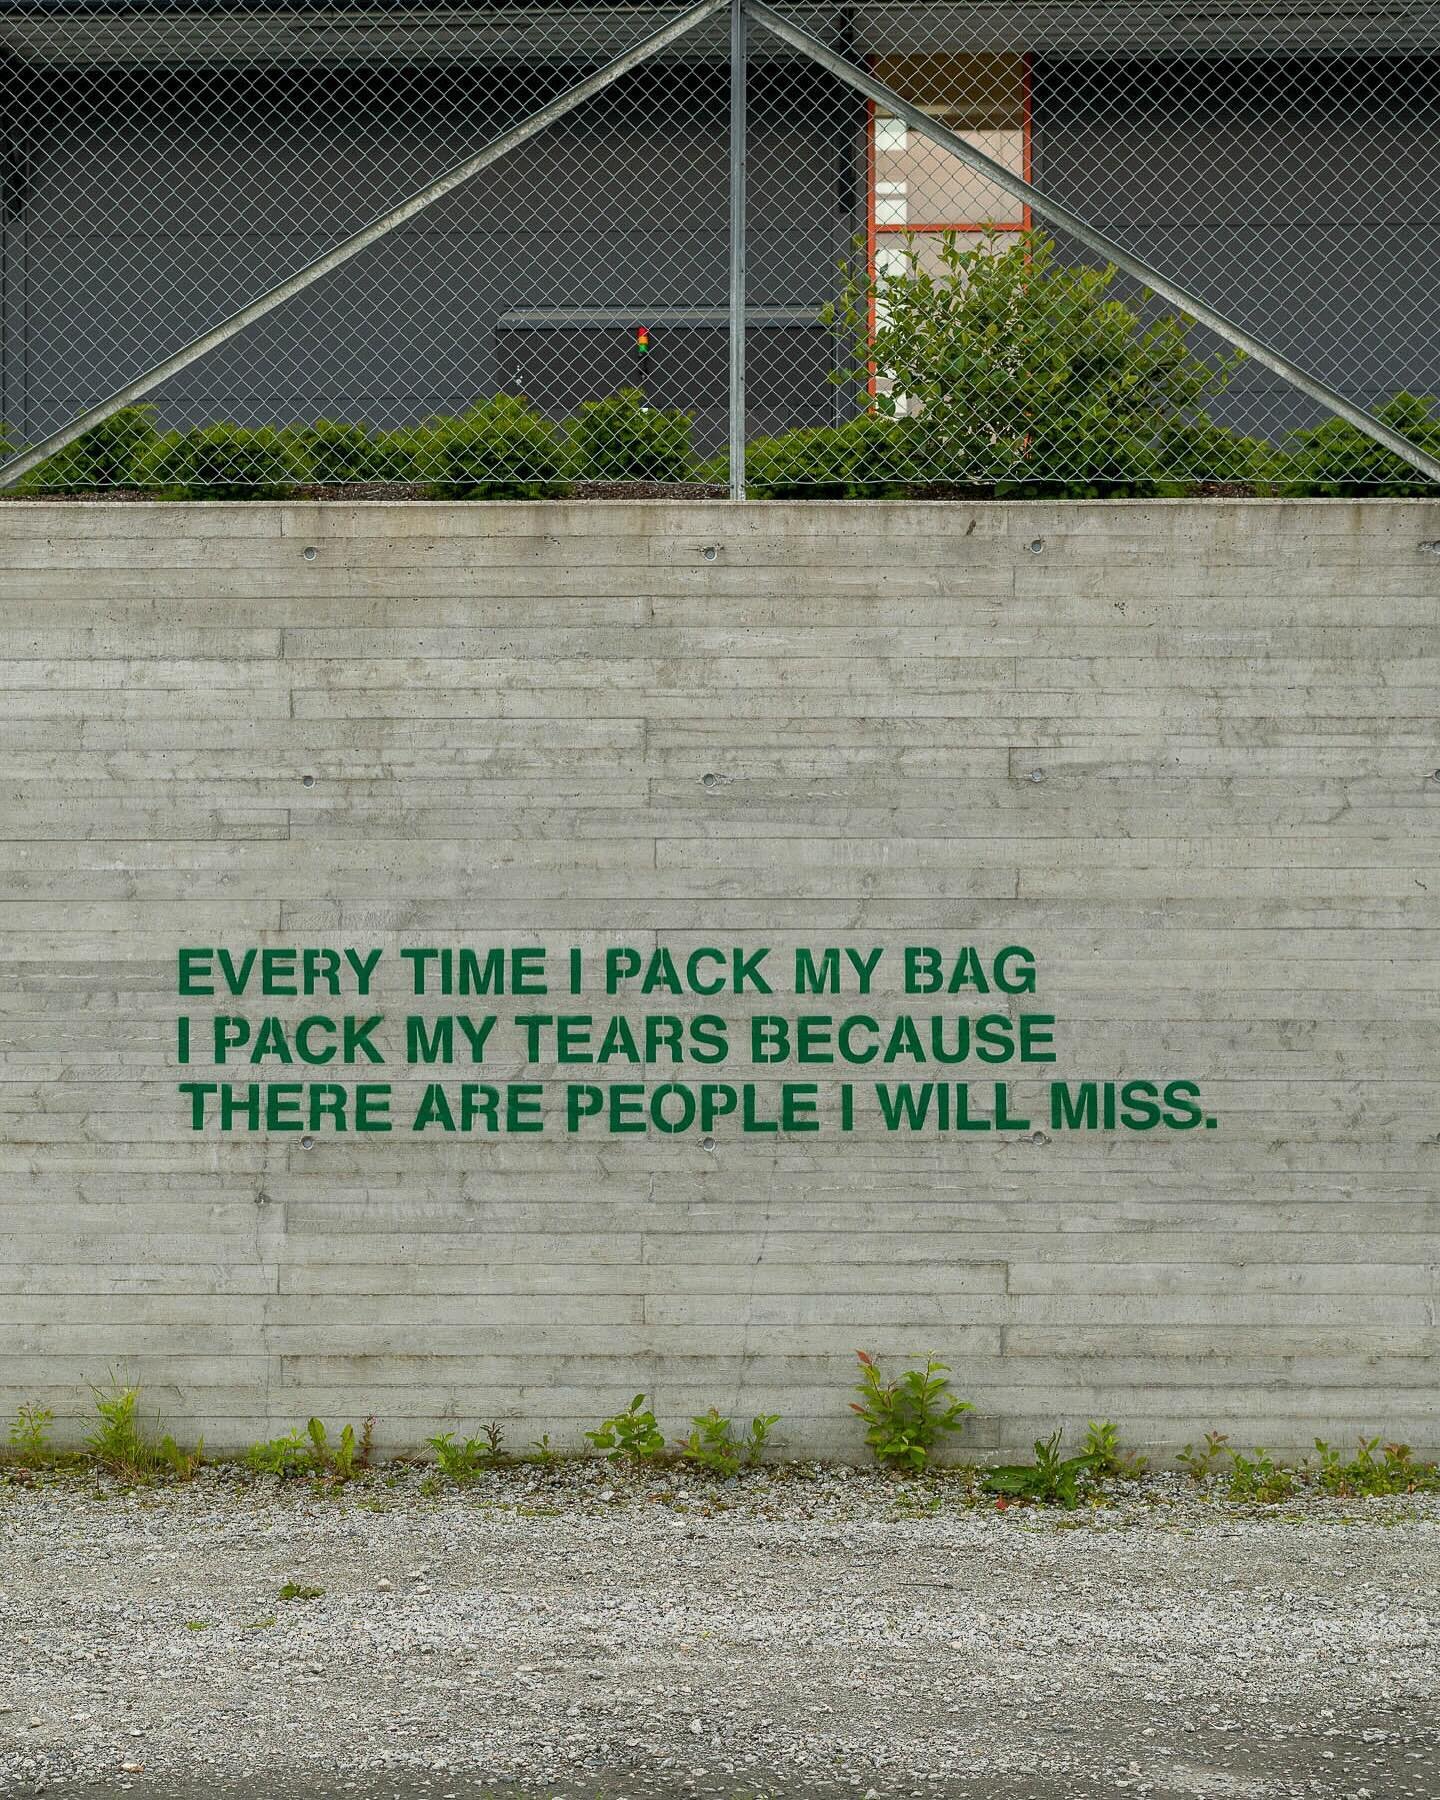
1056	212
379	227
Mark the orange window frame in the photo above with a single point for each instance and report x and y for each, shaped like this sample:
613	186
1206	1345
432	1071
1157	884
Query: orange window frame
874	231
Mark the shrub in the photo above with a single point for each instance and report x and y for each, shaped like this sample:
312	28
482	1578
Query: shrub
1336	461
1198	450
714	1444
501	449
625	439
1020	370
332	451
870	456
223	462
906	1418
111	454
632	1434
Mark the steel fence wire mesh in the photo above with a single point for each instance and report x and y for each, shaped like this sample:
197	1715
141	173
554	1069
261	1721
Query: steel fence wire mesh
1278	160
561	318
173	162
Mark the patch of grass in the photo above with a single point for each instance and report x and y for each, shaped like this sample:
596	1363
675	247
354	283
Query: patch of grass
299	1590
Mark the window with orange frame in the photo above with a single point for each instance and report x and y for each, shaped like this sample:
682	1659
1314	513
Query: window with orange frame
917	190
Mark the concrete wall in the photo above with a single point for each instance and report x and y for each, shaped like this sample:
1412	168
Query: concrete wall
1186	752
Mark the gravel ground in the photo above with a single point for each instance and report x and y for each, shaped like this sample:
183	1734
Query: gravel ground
573	1631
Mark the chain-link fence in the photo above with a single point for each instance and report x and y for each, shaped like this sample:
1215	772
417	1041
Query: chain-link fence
1008	246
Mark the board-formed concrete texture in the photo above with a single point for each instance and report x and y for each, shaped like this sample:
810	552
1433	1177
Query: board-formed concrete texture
1187	753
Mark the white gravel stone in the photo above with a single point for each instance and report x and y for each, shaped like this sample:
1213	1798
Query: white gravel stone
803	1628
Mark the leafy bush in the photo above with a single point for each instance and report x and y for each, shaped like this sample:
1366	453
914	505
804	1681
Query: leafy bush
1019	370
223	462
502	449
332	451
714	1444
111	454
1198	450
632	1434
906	1418
625	439
1336	461
1051	1480
869	456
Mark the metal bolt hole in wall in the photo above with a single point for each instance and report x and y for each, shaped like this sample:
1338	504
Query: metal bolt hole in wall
508	248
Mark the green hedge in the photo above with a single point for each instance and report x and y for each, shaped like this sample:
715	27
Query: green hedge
504	448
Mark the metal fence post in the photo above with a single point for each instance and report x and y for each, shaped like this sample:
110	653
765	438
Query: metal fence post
737	247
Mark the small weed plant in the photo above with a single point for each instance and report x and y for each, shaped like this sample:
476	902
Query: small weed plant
121	1446
1051	1480
1260	1478
1393	1471
461	1462
300	1590
338	1461
313	1453
1108	1462
278	1456
29	1435
714	1444
1202	1462
629	1436
907	1418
